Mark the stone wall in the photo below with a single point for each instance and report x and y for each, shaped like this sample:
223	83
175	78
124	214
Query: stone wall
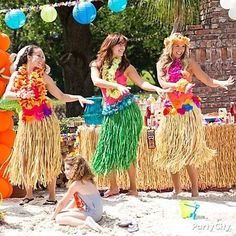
213	45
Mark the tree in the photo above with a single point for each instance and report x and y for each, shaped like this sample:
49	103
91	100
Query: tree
145	36
176	12
35	31
77	55
73	46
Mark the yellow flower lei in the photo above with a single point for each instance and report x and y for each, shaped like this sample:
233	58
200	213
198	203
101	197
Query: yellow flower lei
108	74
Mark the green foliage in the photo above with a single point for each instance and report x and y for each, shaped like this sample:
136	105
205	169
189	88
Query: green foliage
69	125
168	10
35	31
146	23
147	76
145	37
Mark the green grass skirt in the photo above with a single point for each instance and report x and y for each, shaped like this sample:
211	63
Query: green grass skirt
118	141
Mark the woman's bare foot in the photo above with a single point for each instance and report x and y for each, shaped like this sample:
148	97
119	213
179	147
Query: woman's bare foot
132	193
111	192
195	193
176	192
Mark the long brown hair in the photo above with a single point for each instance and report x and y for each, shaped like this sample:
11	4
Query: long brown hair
105	52
28	52
80	169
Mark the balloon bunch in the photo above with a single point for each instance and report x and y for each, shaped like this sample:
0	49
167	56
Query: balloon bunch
84	12
5	62
231	5
7	135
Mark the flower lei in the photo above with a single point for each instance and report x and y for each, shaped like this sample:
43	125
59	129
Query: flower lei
179	102
108	73
177	38
36	107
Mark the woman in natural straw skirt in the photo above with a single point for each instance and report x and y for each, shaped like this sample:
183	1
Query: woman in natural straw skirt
118	141
181	140
36	155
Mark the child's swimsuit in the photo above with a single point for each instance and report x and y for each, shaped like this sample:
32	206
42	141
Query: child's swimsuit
93	205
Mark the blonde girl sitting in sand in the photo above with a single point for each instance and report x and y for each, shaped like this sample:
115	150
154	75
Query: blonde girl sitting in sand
86	207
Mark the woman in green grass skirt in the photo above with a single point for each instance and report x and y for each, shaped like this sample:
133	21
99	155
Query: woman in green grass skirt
118	141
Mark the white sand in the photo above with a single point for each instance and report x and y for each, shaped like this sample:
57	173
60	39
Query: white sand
156	213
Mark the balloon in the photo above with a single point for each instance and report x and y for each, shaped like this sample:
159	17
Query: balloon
117	5
5	70
84	12
232	11
4	58
48	13
2	87
6	121
4	42
4	153
7	138
15	19
2	170
5	188
226	4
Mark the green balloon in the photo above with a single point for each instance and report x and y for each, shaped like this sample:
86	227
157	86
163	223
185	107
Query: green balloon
48	13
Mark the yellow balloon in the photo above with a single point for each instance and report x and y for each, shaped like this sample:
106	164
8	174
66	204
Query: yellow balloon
48	13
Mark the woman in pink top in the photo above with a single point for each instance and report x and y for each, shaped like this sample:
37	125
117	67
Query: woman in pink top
181	141
118	142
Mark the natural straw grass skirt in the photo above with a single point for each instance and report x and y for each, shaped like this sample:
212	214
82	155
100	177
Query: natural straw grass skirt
39	143
181	141
118	141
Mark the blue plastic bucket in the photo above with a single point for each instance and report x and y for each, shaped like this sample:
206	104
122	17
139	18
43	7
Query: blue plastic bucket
93	112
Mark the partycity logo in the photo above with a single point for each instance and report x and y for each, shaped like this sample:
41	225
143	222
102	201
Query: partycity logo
212	227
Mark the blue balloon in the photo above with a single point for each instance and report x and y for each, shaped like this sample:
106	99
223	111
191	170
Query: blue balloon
15	19
117	5
84	12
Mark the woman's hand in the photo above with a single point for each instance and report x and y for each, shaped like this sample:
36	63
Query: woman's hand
161	91
25	94
83	101
224	84
186	75
122	89
188	88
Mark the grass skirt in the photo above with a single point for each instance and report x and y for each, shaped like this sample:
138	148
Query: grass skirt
181	142
118	141
39	143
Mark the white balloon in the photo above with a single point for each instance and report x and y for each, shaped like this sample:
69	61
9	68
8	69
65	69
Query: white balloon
232	12
226	4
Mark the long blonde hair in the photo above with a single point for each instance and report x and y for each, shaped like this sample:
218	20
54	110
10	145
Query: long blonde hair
166	59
